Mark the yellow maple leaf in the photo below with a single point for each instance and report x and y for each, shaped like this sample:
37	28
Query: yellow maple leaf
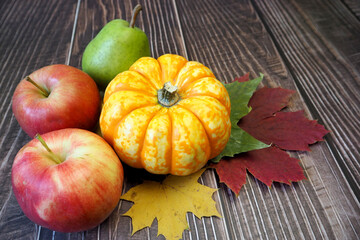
169	202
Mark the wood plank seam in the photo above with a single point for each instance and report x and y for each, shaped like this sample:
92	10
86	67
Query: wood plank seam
259	212
222	211
347	216
350	223
329	196
180	29
351	6
313	112
203	219
67	62
187	57
229	225
73	32
331	47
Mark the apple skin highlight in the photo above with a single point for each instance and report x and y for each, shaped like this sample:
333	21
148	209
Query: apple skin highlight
74	100
75	195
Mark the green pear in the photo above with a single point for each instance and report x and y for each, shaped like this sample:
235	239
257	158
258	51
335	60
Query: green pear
114	49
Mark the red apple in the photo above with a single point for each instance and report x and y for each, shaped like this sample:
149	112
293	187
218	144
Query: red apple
71	182
59	96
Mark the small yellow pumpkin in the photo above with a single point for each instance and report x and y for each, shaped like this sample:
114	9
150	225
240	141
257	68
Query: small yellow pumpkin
166	115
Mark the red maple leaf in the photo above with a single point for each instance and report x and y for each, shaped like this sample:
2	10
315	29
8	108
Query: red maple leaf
267	165
286	130
243	78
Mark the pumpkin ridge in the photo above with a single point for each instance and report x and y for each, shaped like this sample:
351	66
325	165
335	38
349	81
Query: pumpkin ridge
116	136
144	135
207	134
176	75
181	86
109	105
188	83
161	70
127	114
174	139
203	95
187	86
124	81
178	68
172	142
134	90
148	79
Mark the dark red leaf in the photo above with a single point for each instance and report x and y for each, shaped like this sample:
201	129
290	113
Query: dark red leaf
244	78
232	172
267	165
287	130
267	101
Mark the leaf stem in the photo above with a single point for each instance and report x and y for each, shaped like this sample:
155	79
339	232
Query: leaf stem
135	12
43	90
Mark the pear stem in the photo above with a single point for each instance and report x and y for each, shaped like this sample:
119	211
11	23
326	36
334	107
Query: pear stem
42	141
43	90
135	12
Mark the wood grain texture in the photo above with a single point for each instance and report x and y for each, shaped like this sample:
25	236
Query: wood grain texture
159	22
335	26
32	36
231	39
354	7
317	68
291	42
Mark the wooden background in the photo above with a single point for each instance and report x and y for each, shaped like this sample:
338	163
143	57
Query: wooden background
311	46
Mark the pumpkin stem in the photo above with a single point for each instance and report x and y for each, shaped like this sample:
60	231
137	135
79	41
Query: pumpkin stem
168	95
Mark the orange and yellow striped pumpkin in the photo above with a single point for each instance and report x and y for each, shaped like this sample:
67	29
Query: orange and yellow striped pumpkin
166	115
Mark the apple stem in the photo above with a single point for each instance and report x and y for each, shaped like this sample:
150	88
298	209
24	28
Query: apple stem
42	141
43	90
135	12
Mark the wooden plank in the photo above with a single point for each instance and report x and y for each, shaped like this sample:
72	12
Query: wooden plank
231	39
354	7
329	83
33	35
333	23
159	21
